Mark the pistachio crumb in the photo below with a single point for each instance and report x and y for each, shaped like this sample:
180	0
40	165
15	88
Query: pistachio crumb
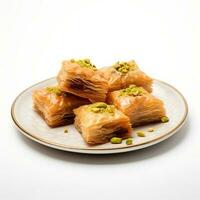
150	129
129	141
141	134
54	90
164	119
132	91
85	63
116	140
66	130
124	67
101	107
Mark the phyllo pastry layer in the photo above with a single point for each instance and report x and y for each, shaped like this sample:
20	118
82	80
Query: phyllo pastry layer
56	107
81	78
99	122
139	105
123	74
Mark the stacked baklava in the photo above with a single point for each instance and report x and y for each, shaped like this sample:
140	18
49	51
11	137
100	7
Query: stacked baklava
105	102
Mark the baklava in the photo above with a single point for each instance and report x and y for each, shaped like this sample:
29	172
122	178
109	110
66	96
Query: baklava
123	74
81	78
138	104
56	107
99	122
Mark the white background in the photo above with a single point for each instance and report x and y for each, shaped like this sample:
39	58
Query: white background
163	38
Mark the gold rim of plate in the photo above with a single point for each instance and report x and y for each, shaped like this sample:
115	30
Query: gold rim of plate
96	150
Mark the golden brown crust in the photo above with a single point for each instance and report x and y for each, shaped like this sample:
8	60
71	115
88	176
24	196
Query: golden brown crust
83	82
54	124
117	80
56	110
98	128
141	110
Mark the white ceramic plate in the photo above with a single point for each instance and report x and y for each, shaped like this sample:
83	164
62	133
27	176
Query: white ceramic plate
33	126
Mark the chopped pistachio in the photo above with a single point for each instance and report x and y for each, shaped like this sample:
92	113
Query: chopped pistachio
54	90
164	119
116	140
132	90
85	63
110	109
129	141
96	110
140	134
66	130
150	129
101	107
125	67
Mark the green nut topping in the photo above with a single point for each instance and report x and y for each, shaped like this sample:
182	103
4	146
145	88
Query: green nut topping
116	140
101	107
164	119
129	141
140	134
85	63
125	67
54	90
132	91
66	131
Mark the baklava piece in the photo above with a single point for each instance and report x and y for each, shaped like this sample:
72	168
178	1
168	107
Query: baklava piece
123	74
139	105
99	122
80	77
56	107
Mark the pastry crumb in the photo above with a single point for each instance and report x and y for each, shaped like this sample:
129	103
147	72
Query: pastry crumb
150	129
